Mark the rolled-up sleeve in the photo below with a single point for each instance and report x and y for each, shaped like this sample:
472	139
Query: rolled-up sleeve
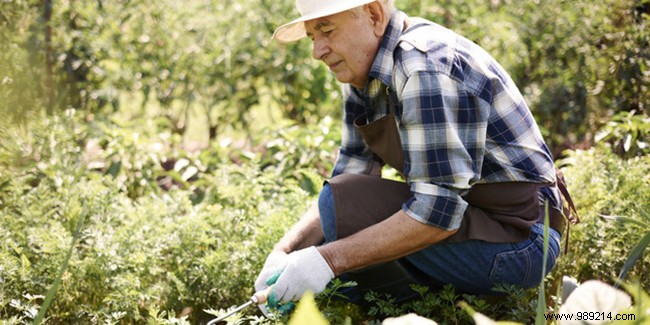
435	205
443	129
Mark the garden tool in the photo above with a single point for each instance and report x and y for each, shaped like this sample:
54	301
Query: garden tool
258	298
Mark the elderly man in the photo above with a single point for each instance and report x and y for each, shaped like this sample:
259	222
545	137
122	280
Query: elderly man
445	114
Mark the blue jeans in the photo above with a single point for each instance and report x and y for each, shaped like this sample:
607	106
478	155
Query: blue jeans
471	266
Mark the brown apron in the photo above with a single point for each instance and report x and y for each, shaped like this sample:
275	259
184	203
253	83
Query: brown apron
498	212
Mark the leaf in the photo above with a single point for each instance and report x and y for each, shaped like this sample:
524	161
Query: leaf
625	220
409	319
177	177
569	284
4	184
634	256
481	319
628	143
114	168
641	302
645	215
602	135
51	292
190	172
310	181
307	312
541	298
180	164
593	296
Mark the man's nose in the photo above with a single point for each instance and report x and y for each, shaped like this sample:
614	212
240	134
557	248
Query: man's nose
321	48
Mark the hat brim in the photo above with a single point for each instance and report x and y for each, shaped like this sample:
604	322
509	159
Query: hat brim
295	30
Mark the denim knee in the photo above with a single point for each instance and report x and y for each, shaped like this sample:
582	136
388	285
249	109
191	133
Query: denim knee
327	213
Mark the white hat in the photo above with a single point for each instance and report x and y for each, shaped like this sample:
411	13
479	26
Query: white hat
312	9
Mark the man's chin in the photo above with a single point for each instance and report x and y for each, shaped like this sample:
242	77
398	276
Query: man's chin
341	78
347	80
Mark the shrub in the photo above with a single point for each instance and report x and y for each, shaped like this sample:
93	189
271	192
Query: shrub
602	183
157	256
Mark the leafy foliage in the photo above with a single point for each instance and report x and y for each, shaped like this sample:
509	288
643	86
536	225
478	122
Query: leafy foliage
443	306
605	184
85	54
154	256
627	133
578	63
612	306
168	233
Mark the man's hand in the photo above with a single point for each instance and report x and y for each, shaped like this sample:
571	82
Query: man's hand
274	265
306	270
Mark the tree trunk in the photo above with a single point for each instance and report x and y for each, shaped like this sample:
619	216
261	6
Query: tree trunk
49	57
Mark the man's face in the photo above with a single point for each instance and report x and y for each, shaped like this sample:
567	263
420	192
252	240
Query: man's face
347	43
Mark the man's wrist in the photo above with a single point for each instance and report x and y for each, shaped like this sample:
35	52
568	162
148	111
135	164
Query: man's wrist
328	255
286	245
282	249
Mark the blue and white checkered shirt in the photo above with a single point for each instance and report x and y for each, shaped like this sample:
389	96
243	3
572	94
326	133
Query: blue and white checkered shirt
461	119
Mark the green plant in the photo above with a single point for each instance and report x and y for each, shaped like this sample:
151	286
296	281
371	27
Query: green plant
479	318
628	133
584	62
159	257
602	183
541	298
51	292
294	151
637	251
442	306
611	305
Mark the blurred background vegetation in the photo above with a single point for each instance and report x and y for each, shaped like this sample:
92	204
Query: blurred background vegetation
210	66
184	142
209	61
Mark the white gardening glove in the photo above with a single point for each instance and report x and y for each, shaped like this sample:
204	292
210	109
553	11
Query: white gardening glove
306	270
274	265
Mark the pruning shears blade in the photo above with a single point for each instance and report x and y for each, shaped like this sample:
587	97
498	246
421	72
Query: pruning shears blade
230	313
259	297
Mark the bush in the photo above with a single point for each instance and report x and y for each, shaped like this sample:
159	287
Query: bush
156	256
165	254
602	183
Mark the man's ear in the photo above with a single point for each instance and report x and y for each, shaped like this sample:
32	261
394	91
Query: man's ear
378	17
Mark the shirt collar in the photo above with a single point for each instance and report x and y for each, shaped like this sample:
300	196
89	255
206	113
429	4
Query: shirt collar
382	67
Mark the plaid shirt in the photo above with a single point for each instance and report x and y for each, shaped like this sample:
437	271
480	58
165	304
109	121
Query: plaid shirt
461	119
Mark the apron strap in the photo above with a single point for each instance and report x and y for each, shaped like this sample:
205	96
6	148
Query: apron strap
568	208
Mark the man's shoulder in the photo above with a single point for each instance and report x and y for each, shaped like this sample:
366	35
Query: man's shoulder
425	35
425	45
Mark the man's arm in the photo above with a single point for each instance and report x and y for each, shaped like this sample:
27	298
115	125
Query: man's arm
312	268
304	233
388	240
